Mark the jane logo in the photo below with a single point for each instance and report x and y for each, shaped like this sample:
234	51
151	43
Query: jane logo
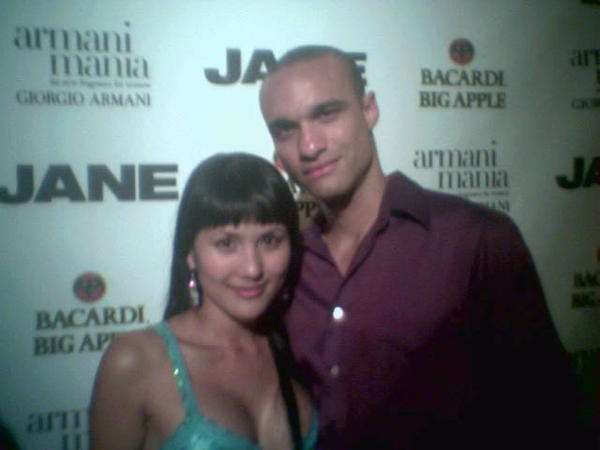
585	174
462	51
89	287
260	63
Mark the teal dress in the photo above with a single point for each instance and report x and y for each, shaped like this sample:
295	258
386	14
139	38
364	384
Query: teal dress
196	431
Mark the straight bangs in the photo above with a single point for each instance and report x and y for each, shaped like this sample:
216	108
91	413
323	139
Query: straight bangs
233	203
230	189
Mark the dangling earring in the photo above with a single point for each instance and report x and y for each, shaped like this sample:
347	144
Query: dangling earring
193	289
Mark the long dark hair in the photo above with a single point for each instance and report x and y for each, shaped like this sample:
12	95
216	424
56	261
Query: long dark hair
230	188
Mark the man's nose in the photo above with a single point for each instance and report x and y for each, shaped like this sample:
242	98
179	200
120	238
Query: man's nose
312	141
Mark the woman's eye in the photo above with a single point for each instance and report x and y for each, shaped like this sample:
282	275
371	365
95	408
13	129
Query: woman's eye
224	243
270	240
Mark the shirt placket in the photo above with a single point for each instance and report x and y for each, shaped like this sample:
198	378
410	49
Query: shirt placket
339	315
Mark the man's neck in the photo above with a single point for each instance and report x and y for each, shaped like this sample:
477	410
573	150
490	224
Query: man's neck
348	223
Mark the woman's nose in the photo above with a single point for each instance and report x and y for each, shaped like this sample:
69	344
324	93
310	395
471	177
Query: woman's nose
252	264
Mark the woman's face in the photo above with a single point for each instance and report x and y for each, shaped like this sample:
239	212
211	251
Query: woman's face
240	268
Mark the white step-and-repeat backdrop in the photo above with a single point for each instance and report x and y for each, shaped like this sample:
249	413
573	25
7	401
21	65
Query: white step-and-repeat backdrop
107	105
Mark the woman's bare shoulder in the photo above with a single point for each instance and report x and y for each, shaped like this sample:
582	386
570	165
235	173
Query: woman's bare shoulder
126	381
133	353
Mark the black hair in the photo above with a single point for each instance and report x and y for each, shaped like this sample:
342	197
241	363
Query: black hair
312	52
229	188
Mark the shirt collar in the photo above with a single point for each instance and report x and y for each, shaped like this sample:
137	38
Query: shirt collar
402	198
405	198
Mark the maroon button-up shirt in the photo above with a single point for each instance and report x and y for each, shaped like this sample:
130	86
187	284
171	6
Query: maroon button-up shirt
437	335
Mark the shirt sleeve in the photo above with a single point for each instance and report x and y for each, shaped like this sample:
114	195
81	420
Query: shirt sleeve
526	391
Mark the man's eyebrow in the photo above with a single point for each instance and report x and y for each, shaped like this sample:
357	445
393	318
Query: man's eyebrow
334	104
282	124
315	111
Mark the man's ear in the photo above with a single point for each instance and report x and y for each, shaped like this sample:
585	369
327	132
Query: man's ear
278	162
291	183
370	109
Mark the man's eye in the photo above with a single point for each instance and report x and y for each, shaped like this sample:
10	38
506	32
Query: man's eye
282	129
282	133
328	113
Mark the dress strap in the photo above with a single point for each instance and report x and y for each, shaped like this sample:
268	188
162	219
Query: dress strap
180	371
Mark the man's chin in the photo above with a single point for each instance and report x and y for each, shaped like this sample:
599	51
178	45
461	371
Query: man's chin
333	198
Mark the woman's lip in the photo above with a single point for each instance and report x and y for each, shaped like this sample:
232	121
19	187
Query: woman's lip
249	292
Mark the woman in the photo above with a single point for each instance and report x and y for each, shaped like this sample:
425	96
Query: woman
207	377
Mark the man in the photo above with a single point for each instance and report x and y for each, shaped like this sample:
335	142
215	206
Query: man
418	317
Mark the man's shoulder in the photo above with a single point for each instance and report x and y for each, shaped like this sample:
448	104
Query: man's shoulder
447	203
435	207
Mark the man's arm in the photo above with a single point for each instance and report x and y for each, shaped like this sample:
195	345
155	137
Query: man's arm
527	386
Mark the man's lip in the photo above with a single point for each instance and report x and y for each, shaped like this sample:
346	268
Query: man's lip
320	170
250	291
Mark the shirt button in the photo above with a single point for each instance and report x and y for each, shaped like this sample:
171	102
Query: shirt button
334	370
338	313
